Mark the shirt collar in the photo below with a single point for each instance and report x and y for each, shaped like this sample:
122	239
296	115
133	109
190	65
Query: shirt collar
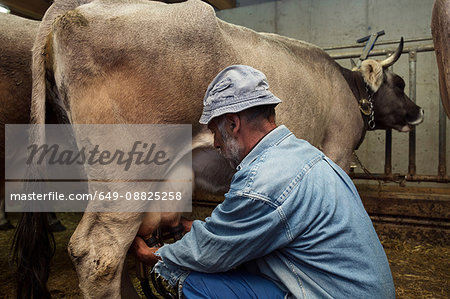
272	138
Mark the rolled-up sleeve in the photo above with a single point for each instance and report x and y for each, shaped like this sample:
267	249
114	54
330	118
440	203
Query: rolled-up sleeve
240	229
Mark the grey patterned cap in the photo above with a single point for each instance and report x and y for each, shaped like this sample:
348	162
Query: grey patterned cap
236	88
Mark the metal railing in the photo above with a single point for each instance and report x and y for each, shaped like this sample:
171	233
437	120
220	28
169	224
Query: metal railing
411	175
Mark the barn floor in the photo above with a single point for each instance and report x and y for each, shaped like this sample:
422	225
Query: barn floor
420	270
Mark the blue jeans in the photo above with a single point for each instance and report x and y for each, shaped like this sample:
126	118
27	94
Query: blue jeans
229	285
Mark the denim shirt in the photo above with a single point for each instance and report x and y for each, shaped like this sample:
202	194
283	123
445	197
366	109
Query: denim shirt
293	216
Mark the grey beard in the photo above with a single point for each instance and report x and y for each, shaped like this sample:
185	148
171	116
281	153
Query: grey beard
231	152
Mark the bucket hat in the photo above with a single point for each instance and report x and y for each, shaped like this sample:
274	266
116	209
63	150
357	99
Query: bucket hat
236	88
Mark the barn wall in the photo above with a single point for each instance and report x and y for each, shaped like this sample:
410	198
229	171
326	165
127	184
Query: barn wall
329	23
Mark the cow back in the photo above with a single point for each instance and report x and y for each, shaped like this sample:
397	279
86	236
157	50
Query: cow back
149	62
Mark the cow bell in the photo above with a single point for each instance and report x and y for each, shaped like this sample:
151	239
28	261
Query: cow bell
365	107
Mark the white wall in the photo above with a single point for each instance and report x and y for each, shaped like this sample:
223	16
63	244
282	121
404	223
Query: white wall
341	22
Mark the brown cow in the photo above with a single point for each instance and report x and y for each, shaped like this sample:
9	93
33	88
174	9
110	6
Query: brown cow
440	28
149	62
16	40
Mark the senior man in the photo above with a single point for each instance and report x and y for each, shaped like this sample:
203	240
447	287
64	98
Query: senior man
292	223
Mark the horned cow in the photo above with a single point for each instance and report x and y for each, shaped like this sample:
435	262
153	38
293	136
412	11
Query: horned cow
149	62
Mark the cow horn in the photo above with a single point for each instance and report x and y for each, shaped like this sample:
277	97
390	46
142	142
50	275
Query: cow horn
394	57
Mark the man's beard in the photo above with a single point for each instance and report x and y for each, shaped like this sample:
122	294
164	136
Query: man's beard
232	150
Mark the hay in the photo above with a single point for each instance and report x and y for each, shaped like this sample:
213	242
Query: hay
420	270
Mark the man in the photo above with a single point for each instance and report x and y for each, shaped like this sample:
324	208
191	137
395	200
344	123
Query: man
292	223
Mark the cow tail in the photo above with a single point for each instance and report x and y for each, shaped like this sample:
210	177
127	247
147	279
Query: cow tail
34	247
33	243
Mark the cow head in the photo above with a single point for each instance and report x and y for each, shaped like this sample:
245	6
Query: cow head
392	107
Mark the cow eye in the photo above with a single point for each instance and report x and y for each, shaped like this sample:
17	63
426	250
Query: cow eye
400	83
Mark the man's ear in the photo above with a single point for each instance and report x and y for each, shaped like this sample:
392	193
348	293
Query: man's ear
233	123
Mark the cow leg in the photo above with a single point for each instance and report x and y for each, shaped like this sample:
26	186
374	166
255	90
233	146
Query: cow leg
339	152
55	223
4	222
343	159
127	288
342	137
98	250
3	219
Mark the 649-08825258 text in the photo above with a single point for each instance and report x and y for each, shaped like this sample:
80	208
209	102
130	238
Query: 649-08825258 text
102	196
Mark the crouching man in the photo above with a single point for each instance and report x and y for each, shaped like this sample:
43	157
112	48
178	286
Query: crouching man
292	224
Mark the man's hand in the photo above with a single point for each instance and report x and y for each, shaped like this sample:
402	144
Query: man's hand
144	253
147	254
186	224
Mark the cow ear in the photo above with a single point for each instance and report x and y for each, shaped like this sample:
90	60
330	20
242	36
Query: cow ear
372	72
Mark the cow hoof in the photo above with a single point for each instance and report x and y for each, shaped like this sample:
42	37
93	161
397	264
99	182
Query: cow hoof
6	226
57	227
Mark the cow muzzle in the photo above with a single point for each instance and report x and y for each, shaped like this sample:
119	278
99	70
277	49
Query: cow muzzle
418	120
411	124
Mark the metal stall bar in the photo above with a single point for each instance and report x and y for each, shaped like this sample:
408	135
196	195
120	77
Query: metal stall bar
412	96
388	42
388	148
401	177
388	154
355	54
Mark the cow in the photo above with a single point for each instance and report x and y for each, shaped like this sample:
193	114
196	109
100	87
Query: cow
150	62
16	40
440	29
